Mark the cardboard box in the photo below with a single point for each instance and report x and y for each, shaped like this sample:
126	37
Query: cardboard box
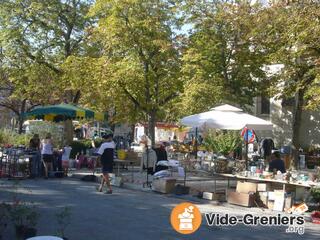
263	187
246	187
242	199
271	196
164	185
218	196
279	199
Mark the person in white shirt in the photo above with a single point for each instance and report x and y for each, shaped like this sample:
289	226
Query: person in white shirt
47	153
106	151
65	158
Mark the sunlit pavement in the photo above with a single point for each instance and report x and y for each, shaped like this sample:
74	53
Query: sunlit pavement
126	214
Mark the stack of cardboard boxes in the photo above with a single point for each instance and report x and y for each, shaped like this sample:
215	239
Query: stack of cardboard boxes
244	195
272	197
260	195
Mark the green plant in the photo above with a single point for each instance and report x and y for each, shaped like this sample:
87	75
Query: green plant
83	145
223	142
8	137
63	219
22	214
77	147
315	193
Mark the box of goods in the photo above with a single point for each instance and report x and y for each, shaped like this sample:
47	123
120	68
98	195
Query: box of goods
164	185
215	196
263	187
298	209
246	187
279	199
131	155
242	199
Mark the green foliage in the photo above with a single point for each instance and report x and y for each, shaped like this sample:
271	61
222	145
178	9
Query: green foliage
8	137
22	214
77	148
44	127
83	145
141	56
221	62
36	37
315	193
222	142
289	33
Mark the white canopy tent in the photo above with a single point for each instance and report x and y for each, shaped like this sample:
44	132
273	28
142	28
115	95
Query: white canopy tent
226	117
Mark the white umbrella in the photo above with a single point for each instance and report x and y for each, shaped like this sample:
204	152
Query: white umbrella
226	117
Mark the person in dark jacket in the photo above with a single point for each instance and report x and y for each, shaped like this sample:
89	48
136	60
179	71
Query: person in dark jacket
276	164
35	163
161	156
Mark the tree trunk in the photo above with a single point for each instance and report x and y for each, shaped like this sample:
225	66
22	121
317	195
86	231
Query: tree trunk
68	131
151	126
20	116
296	123
20	124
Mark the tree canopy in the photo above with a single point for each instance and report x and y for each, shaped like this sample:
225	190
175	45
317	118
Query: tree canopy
141	52
36	37
222	62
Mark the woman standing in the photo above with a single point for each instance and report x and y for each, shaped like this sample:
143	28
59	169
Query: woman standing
47	153
34	146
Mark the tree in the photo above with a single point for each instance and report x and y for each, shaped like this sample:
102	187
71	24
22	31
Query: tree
221	62
24	88
36	37
142	57
289	32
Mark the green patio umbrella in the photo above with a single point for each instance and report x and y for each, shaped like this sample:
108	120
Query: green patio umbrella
61	112
56	112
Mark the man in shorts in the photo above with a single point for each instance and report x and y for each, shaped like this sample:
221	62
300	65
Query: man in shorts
106	151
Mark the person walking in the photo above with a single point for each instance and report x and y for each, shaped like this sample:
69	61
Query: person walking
106	152
47	153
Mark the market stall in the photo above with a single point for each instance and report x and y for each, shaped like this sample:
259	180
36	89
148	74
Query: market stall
255	172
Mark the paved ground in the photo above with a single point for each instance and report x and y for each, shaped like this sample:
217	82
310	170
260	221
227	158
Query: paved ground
127	214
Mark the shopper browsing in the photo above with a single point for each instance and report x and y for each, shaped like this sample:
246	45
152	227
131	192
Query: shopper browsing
276	164
47	153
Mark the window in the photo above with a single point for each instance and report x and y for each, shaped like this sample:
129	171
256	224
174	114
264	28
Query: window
265	105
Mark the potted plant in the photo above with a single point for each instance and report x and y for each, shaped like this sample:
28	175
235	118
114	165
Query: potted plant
25	219
63	219
225	144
